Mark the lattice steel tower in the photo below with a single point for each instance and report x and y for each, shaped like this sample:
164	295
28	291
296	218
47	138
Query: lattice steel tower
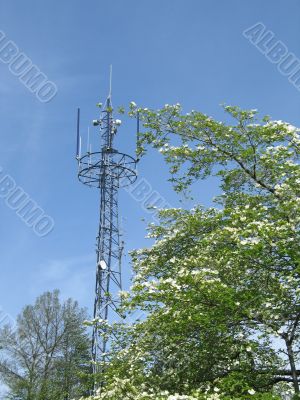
108	170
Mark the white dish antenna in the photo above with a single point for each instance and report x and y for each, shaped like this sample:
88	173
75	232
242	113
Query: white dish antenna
102	264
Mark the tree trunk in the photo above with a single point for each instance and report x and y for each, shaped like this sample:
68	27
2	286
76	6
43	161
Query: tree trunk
290	352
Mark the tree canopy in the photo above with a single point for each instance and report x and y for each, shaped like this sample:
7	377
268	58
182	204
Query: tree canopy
219	286
47	355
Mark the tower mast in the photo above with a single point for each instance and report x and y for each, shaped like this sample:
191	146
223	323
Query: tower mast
108	170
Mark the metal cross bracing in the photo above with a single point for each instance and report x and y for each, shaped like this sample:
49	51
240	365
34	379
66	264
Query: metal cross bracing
107	170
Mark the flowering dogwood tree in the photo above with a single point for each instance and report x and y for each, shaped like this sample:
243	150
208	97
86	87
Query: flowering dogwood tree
220	287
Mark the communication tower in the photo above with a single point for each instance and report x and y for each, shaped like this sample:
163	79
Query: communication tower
107	170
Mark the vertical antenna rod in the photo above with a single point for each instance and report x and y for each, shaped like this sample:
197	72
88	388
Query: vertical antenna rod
110	81
78	135
108	170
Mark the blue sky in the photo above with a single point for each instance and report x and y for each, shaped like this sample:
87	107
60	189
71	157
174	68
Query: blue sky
170	51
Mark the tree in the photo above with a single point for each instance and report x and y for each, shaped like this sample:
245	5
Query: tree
220	286
44	357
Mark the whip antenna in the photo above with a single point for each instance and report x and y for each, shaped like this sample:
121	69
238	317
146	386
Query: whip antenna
78	134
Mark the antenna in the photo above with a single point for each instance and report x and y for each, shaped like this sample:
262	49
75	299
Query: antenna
110	80
78	134
137	132
108	170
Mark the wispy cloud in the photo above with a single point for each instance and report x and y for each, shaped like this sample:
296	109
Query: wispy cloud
74	277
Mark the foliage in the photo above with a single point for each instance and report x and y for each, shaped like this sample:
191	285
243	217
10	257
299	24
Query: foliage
219	287
45	356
